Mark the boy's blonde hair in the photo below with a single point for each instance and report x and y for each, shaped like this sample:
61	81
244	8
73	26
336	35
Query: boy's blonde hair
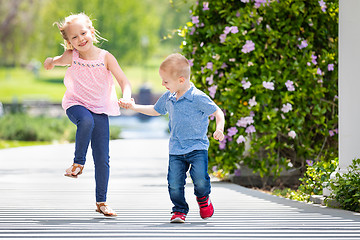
178	66
72	18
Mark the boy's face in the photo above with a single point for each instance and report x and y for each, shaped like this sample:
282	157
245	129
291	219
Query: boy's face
170	82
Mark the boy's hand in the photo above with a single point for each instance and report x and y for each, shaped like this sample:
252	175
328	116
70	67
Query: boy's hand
49	63
218	135
126	103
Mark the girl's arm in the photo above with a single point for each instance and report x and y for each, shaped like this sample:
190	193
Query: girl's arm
113	66
63	60
220	123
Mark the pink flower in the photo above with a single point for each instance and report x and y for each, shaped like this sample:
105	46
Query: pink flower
212	91
252	101
234	29
322	5
222	38
245	84
248	47
222	144
313	59
205	6
209	65
331	133
331	67
309	162
240	139
191	62
292	134
303	44
195	19
290	85
268	85
319	72
286	107
250	129
210	79
232	131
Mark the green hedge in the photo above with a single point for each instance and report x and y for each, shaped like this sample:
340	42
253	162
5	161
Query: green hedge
22	127
272	67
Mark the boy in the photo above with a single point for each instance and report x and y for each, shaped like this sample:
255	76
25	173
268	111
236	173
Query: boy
189	110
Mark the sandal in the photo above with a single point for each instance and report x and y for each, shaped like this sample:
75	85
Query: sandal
74	170
103	208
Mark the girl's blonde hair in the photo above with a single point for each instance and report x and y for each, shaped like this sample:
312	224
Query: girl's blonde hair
72	18
178	65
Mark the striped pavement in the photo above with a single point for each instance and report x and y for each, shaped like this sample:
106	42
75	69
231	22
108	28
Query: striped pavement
37	201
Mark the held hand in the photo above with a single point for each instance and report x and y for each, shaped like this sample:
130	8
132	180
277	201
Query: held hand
218	135
49	64
126	103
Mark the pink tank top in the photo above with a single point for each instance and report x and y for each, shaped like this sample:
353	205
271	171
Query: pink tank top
90	84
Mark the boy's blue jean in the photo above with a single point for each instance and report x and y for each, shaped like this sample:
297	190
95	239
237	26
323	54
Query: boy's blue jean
95	128
178	166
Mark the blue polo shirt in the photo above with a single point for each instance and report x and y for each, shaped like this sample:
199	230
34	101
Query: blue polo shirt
188	119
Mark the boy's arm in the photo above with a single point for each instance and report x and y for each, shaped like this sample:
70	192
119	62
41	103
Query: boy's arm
119	75
144	109
63	60
220	123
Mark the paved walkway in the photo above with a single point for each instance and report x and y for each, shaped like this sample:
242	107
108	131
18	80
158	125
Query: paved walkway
37	201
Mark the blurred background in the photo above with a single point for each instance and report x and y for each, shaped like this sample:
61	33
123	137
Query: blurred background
140	35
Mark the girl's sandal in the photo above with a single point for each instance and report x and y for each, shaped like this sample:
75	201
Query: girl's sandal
103	208
74	170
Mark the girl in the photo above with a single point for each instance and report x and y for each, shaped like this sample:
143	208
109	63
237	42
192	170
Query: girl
90	98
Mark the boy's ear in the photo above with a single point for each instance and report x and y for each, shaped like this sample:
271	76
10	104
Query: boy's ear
181	79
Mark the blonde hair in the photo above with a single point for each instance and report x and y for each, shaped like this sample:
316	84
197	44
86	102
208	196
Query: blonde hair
178	65
72	18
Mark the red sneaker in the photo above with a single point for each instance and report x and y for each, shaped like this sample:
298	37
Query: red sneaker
178	217
206	207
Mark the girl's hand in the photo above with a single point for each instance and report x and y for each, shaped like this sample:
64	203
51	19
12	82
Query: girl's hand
218	135
126	103
49	63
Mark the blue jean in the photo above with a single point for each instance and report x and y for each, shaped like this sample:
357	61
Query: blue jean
95	128
178	166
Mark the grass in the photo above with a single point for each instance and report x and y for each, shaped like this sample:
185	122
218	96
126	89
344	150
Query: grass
13	144
19	84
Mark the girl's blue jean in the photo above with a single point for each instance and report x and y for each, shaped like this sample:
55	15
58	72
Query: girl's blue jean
92	128
197	161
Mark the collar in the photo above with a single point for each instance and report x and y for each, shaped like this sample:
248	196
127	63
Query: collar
189	94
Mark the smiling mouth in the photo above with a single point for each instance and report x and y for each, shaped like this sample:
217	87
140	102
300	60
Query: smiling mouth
82	44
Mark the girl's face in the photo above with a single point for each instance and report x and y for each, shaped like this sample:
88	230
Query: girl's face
79	36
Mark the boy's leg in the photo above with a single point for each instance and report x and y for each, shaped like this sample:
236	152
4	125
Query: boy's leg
84	122
201	179
176	182
100	151
199	172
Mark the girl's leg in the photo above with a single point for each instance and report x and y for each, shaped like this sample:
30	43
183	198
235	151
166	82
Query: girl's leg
199	172
84	122
100	150
176	182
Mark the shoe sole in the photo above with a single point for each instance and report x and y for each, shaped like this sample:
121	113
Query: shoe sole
177	220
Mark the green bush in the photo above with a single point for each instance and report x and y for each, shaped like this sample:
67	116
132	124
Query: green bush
316	176
272	68
346	187
23	127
